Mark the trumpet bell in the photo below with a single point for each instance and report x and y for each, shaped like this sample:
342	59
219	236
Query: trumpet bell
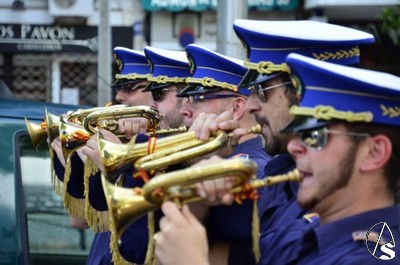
53	123
69	143
124	205
36	132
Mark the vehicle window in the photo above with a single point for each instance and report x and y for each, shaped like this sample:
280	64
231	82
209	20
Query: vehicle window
51	238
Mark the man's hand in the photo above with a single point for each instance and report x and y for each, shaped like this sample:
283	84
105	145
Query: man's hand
207	124
133	126
182	239
91	149
56	146
215	191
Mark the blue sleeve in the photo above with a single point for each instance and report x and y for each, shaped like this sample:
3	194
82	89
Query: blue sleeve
96	194
235	221
135	239
100	250
58	168
75	186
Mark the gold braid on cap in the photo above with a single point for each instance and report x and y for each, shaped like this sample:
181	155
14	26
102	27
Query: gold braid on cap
163	79
211	82
328	113
132	76
391	112
267	67
355	51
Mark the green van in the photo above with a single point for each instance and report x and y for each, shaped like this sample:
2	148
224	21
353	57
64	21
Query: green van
34	227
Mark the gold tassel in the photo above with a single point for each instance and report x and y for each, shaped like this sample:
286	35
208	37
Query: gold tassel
75	207
67	174
53	174
255	227
57	184
97	220
150	259
116	257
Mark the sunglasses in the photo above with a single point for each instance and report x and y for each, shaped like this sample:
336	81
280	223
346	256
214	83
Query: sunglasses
194	99
262	91
129	88
158	94
318	138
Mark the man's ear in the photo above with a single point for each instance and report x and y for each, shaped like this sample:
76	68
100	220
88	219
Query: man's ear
378	150
239	108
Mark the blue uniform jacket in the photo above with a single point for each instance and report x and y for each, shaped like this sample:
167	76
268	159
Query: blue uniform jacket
288	238
344	241
134	240
75	186
234	222
278	204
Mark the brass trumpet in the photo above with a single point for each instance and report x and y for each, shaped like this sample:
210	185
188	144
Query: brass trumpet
73	137
47	129
108	117
186	151
79	115
168	151
117	157
127	205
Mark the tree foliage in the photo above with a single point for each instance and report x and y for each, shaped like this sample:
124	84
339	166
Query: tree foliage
391	23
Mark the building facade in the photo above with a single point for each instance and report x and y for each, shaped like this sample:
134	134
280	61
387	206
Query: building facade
49	48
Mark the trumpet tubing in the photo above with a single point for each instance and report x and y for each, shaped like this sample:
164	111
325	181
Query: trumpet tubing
186	151
179	184
126	205
108	117
244	170
79	115
181	129
116	157
103	117
182	152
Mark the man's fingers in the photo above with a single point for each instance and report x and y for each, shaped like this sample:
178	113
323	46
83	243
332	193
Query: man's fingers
171	211
220	119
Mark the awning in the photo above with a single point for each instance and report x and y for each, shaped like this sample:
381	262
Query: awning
201	5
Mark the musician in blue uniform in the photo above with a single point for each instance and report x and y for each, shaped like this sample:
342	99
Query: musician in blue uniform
133	70
211	90
173	67
345	144
346	147
267	44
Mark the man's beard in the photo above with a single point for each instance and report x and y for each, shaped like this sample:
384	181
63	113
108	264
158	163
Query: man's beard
173	119
346	167
277	143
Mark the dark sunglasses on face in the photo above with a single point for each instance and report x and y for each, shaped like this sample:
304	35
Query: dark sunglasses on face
262	91
194	99
158	94
318	138
130	88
